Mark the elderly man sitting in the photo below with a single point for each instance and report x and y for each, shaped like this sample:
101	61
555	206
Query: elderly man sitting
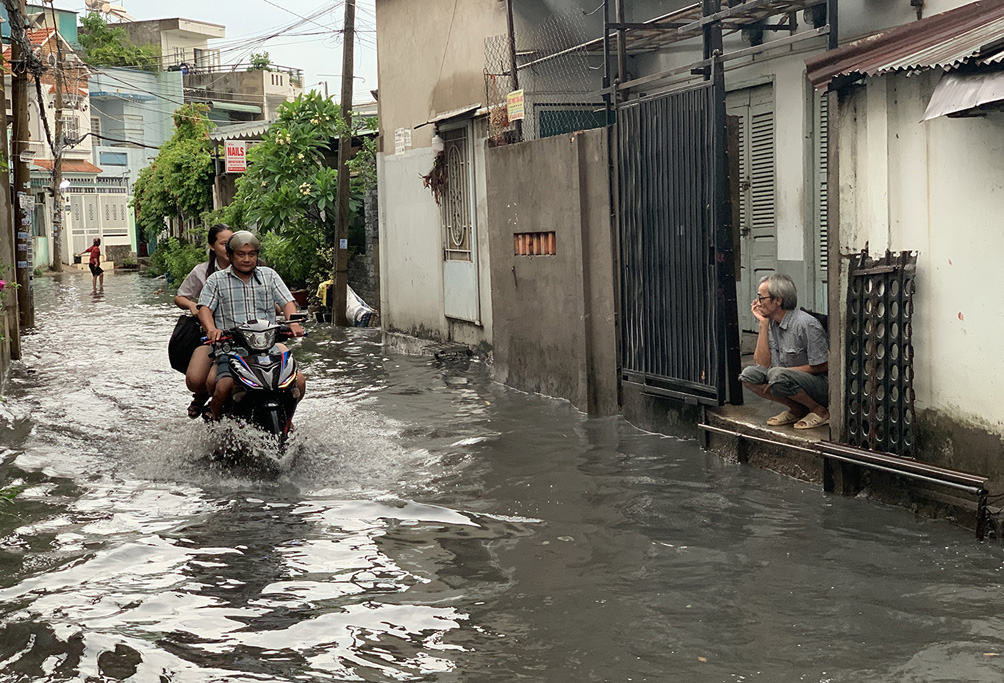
791	356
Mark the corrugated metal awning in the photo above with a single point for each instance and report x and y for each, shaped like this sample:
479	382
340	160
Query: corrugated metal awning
966	94
234	106
241	131
469	110
971	34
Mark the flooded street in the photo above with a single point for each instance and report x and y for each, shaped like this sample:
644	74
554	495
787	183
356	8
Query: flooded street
434	527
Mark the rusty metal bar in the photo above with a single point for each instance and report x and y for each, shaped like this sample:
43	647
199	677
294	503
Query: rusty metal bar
910	468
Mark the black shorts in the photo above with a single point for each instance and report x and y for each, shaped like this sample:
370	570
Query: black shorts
95	269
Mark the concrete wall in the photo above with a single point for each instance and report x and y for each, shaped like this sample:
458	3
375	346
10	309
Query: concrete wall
430	62
938	188
554	326
431	58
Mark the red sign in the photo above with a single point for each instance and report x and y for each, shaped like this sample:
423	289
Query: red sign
236	161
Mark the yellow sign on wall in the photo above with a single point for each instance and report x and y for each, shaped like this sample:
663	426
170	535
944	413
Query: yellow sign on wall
515	106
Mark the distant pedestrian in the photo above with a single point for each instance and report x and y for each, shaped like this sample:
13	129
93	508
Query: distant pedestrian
791	356
97	273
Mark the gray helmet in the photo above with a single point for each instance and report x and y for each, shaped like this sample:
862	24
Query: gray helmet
240	239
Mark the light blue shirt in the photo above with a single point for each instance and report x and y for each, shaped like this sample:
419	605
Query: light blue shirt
234	302
799	339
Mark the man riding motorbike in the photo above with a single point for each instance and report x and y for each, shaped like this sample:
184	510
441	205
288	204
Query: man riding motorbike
232	296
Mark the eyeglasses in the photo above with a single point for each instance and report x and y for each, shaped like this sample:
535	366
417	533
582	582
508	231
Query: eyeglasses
761	299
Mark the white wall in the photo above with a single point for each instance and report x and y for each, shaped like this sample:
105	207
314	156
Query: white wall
411	293
937	188
411	250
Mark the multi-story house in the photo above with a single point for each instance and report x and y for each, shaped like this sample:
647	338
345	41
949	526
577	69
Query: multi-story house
130	118
619	269
234	92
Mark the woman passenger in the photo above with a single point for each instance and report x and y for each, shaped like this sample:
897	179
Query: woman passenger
188	295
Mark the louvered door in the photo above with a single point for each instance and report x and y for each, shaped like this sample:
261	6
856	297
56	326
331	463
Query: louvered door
757	193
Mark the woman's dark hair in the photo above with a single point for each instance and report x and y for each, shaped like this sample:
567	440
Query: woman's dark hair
213	232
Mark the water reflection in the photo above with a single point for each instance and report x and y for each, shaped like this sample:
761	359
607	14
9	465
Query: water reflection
435	526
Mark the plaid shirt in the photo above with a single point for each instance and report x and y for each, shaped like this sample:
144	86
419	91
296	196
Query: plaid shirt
234	302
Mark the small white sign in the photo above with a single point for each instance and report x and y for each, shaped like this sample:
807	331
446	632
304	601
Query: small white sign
343	244
402	140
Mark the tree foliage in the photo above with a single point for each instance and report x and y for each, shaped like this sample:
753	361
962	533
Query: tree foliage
289	190
106	45
179	182
260	61
176	258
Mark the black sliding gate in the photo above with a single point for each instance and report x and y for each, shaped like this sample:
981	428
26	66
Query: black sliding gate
679	327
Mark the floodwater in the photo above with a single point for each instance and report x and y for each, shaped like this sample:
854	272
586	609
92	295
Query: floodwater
434	527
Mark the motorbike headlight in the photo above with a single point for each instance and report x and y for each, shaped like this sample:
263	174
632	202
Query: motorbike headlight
261	341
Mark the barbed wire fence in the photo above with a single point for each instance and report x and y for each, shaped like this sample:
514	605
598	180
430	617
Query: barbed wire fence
560	87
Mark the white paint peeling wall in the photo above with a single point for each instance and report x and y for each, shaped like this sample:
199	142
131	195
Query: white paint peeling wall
410	245
937	188
431	61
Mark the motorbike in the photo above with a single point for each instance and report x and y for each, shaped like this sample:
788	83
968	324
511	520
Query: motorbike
265	392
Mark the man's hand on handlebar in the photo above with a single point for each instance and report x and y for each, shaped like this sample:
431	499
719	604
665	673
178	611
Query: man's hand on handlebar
296	329
214	334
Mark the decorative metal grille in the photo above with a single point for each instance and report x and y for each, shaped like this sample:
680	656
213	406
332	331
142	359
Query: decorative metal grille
879	394
456	207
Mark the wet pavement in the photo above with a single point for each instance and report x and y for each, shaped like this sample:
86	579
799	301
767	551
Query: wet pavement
434	526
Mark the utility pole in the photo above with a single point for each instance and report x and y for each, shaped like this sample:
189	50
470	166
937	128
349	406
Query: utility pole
58	145
20	64
7	235
344	152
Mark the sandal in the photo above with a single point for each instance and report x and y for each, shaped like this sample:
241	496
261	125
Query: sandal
811	421
782	419
196	407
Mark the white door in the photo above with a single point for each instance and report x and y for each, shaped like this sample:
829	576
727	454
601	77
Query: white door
757	201
460	254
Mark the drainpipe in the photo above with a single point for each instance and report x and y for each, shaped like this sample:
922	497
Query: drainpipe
512	62
612	198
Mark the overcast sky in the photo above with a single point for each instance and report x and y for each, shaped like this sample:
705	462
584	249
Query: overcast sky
309	34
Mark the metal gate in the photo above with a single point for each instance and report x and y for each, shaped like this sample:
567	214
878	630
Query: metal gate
679	326
460	256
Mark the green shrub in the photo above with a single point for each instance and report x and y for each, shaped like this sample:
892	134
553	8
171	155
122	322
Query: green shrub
176	259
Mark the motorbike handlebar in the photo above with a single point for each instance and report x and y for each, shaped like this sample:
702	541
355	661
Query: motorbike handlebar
283	332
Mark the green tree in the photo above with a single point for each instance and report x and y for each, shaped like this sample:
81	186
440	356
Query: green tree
289	190
179	182
106	45
260	61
